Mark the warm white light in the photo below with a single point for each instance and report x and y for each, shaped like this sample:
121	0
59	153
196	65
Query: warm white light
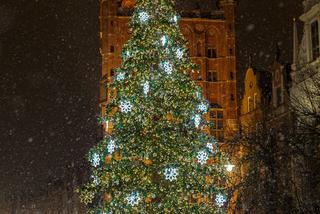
107	125
229	167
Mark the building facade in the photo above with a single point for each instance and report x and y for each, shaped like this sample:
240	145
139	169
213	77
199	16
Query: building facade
306	62
265	125
211	42
305	99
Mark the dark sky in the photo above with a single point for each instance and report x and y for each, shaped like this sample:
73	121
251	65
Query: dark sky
49	78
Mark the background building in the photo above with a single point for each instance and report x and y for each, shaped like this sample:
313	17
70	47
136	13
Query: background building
305	100
210	33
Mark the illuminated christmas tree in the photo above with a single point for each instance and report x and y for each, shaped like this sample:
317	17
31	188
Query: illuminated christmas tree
158	159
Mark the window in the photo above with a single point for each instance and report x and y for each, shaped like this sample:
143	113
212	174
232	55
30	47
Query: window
250	104
111	49
232	97
211	53
217	129
199	49
279	96
255	101
231	76
199	77
231	51
212	76
111	72
315	40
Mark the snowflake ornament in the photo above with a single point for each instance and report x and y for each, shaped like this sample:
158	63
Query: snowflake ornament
128	54
146	88
144	16
125	106
220	200
95	179
167	67
133	199
179	53
202	157
95	160
111	147
199	94
164	40
174	19
107	212
120	77
210	147
197	120
171	174
203	107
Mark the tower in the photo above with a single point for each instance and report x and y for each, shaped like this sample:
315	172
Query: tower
211	43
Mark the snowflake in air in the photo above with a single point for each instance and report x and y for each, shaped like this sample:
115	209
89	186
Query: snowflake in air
171	173
125	106
144	16
111	147
95	160
220	200
133	199
202	157
167	67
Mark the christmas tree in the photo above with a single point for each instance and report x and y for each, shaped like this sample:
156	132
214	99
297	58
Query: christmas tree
158	159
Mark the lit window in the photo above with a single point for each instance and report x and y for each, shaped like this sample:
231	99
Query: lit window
315	40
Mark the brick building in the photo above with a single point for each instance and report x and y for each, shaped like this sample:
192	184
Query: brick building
210	32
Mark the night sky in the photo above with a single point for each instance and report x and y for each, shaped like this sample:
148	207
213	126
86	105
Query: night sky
49	79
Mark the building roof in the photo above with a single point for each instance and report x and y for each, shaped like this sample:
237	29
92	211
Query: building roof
199	8
191	9
264	82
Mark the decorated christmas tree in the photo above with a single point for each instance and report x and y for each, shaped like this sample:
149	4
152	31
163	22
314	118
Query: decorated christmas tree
158	158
